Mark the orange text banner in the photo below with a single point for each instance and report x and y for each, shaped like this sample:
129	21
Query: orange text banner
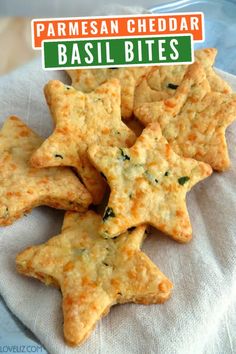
117	26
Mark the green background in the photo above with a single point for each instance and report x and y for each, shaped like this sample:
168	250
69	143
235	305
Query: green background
117	51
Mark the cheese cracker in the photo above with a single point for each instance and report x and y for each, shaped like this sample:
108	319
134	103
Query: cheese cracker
194	120
82	119
148	184
93	273
23	187
161	82
87	80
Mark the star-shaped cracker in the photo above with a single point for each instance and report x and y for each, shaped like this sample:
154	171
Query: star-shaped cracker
161	82
87	80
81	120
148	185
93	273
23	187
194	120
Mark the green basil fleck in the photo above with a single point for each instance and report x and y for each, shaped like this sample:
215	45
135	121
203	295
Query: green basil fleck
109	213
172	86
123	155
183	180
6	213
80	251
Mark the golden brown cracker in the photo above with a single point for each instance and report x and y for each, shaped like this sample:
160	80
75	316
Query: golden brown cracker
93	273
161	82
148	185
81	120
23	187
87	80
194	120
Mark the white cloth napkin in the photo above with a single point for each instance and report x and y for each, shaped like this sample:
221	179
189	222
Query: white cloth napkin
199	317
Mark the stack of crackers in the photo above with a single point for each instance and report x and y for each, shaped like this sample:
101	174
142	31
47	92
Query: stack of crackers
148	134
